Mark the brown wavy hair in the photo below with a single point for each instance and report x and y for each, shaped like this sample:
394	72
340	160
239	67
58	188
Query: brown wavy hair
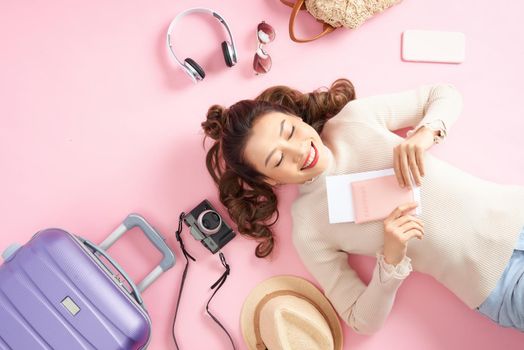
249	199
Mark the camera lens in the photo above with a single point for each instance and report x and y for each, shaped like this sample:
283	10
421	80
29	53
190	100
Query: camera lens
209	222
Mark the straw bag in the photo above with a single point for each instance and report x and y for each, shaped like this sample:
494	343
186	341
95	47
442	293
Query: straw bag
336	13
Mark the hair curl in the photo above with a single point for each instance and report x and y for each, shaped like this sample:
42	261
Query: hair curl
249	199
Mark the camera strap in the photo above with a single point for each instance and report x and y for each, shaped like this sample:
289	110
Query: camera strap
216	286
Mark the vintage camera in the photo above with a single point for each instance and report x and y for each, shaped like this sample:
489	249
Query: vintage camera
207	226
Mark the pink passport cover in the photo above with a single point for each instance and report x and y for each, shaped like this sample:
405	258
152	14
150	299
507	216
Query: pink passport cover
375	199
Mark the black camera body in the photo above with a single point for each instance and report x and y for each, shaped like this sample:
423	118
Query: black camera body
207	226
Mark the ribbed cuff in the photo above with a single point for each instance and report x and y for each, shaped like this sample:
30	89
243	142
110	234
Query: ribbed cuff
388	271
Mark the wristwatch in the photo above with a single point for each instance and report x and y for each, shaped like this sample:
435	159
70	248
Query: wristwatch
437	126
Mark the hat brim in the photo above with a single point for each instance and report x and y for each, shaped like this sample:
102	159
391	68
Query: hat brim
293	283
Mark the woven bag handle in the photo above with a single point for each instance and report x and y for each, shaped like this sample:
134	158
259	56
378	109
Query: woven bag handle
297	6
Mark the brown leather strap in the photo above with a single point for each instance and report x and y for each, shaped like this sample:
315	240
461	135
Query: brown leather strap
297	6
292	4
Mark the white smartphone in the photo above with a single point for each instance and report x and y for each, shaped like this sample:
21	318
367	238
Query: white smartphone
433	46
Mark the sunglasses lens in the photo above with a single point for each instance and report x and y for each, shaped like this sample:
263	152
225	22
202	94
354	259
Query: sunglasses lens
265	33
261	62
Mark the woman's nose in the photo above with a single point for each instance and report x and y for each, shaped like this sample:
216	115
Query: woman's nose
296	151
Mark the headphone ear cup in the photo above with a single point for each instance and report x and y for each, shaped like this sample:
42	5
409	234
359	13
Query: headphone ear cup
228	54
200	74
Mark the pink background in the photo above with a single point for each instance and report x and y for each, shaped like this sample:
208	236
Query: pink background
97	122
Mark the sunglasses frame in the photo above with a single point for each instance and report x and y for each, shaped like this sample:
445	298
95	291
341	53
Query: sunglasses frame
260	49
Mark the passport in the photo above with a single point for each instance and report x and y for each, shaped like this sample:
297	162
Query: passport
340	194
376	198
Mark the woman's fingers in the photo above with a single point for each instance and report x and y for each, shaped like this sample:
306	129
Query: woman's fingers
412	158
396	166
399	228
413	233
408	159
419	154
404	167
412	225
407	218
399	211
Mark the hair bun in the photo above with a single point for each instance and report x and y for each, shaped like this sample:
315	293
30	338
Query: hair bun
341	92
214	124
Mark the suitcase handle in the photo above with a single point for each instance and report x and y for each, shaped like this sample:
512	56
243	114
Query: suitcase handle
98	250
135	220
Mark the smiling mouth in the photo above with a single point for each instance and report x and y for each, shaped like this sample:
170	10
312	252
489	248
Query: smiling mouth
311	159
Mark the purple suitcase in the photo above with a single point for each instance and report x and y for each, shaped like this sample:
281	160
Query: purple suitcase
60	291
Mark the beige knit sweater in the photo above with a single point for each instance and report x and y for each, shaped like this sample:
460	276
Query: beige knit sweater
471	225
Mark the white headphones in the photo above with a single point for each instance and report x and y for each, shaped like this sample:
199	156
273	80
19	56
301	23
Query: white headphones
195	72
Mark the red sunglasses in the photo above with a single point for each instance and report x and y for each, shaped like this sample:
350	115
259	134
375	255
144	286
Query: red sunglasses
262	61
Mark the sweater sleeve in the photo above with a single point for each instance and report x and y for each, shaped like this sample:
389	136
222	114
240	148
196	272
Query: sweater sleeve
429	104
363	308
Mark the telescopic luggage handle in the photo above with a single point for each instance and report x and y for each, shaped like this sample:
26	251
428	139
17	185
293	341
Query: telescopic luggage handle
135	220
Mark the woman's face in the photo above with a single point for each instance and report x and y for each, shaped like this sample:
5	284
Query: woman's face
285	149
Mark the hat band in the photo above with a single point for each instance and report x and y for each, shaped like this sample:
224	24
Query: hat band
260	343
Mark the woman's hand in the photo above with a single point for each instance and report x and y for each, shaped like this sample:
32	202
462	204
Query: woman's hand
399	228
409	155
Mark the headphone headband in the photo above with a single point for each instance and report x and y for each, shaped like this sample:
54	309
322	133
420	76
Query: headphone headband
197	10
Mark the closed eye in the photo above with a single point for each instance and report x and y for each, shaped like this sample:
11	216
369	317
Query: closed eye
280	161
292	132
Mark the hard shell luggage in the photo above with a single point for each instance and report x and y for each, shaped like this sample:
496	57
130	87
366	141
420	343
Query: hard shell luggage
60	291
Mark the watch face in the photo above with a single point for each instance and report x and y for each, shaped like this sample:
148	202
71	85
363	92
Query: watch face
439	135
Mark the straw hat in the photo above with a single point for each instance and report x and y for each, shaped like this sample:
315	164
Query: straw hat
289	313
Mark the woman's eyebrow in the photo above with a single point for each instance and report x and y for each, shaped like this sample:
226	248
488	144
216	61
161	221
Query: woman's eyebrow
280	134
